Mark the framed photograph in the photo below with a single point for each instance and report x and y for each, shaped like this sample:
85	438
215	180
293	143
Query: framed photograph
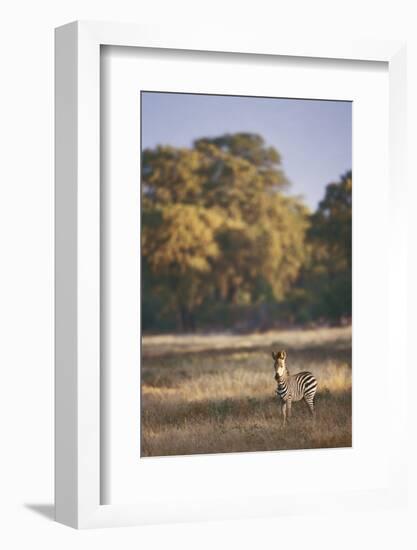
235	263
230	275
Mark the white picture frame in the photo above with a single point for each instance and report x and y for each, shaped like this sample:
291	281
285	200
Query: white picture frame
77	242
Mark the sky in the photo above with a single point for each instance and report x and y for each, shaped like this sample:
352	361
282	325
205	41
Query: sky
313	137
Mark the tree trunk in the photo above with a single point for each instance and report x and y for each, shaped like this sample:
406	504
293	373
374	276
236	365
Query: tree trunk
187	319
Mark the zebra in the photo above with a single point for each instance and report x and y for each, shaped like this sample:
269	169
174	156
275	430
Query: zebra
293	387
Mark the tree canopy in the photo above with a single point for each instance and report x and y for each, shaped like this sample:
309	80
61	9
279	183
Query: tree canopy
218	228
324	288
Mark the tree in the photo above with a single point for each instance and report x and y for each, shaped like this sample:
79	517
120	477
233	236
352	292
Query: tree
250	147
325	283
216	224
179	250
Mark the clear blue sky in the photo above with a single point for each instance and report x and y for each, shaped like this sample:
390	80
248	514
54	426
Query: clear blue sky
313	137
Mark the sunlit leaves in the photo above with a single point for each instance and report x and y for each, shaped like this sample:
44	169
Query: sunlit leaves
216	224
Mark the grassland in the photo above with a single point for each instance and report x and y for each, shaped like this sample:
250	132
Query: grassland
216	393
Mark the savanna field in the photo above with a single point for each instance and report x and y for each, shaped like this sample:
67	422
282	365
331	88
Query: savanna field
216	393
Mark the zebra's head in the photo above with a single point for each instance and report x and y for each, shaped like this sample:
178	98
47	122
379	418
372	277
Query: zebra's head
279	363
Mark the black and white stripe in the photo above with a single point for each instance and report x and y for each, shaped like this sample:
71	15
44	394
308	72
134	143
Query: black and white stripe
296	387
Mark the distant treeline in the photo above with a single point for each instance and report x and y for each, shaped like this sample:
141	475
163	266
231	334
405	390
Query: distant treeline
224	246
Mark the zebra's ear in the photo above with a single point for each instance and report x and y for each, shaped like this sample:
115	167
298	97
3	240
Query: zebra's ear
274	356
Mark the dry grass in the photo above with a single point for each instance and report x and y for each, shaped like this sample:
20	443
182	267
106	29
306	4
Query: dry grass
215	393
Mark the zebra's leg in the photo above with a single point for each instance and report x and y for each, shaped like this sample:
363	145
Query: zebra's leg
309	399
289	408
284	411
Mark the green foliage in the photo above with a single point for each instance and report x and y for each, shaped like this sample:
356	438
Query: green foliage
325	283
218	231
